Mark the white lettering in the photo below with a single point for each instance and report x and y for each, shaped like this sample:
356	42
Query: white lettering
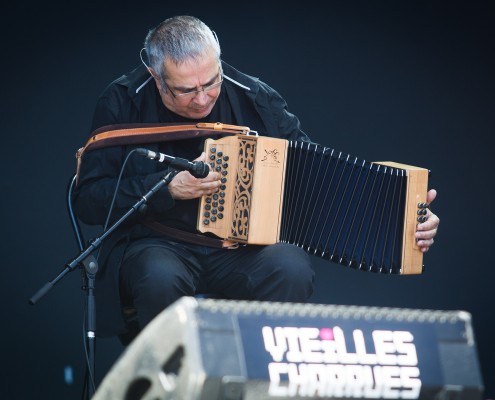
275	342
407	350
410	382
310	345
344	356
329	351
309	362
294	354
384	347
337	380
391	382
362	354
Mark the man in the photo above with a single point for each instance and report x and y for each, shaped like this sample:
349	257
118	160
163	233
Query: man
184	81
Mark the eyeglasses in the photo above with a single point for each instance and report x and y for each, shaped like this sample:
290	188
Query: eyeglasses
190	94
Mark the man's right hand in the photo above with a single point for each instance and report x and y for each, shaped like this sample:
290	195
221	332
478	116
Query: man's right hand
184	186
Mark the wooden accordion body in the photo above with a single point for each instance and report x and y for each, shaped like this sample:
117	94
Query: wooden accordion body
334	206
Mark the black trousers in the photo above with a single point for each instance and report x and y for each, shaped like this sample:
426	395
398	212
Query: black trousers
156	272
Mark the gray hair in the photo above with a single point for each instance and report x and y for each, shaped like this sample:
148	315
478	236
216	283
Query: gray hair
179	39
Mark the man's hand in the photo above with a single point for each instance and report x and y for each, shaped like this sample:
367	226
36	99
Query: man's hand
426	231
184	186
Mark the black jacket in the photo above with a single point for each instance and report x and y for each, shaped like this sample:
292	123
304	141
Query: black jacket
134	98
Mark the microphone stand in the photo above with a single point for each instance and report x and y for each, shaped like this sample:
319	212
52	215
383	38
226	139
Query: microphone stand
86	259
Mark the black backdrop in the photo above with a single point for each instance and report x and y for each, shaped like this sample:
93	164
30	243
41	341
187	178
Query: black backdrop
405	81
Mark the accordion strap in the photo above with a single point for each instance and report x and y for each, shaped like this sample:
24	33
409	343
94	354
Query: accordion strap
190	237
139	134
129	134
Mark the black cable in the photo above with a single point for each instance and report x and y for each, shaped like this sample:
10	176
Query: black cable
116	189
89	377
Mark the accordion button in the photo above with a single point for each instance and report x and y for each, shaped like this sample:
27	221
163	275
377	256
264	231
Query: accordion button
220	154
206	214
212	150
223	180
220	216
213	219
206	222
226	158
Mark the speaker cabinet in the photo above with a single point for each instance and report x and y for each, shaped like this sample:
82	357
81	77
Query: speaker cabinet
231	350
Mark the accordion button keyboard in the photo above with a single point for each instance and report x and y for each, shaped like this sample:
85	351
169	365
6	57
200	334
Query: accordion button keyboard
211	209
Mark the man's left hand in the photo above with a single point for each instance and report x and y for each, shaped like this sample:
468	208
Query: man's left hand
426	231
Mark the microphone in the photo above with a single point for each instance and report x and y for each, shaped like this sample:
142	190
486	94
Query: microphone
198	169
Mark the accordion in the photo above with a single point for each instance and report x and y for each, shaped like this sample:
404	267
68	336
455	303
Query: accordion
333	205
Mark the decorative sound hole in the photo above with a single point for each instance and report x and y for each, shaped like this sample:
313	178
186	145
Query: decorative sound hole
242	195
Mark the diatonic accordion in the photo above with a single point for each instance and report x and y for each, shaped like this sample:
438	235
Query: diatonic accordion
333	205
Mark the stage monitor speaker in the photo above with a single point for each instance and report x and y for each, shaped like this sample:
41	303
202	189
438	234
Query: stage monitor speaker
231	350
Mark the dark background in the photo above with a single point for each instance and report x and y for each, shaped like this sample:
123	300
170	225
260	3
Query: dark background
406	81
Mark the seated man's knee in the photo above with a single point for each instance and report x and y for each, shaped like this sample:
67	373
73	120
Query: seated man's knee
291	267
153	272
290	259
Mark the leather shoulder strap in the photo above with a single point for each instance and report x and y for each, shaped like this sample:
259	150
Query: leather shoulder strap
128	134
136	134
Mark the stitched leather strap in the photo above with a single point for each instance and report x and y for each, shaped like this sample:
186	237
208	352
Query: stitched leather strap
141	134
190	237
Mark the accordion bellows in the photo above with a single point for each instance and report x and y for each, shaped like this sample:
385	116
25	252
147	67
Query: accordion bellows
334	206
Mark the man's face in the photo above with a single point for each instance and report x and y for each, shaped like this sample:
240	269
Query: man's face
192	88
